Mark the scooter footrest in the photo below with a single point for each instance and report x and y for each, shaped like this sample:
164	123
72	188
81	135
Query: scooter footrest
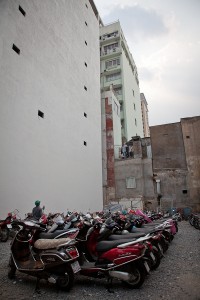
30	265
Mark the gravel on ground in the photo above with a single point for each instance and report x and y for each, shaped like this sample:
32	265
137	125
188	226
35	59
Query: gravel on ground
177	277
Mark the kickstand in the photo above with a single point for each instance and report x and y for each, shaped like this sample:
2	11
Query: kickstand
109	285
37	287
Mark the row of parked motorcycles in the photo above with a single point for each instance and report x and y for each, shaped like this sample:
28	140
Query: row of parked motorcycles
113	246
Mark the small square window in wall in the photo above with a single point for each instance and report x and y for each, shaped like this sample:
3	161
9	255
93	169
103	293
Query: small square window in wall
85	143
130	183
86	43
40	114
85	115
85	88
187	136
86	64
86	23
184	191
22	11
16	49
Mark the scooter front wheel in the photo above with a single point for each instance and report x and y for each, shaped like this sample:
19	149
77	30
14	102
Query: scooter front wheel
137	276
11	268
65	281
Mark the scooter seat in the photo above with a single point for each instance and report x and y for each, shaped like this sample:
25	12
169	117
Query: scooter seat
152	224
44	244
130	236
107	245
52	235
143	230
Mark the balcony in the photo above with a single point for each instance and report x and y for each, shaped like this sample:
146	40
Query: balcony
116	83
110	70
110	53
104	39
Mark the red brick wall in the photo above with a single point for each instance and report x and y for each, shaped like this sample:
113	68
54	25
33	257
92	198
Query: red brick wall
109	144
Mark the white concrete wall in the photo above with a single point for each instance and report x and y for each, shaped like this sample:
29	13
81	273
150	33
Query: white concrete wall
131	112
45	158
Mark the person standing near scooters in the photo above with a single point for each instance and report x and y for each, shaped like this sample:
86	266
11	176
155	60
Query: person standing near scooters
37	210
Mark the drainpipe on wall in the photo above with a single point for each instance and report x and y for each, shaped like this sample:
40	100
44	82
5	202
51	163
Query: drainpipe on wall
159	196
158	186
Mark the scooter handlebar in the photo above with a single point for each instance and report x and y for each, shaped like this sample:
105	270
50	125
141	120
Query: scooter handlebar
29	224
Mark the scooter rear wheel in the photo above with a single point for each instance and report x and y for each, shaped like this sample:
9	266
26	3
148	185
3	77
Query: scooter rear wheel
157	259
137	276
65	281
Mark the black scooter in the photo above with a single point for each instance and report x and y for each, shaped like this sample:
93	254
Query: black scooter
52	259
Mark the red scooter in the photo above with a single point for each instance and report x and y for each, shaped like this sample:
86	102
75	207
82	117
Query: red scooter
5	226
119	259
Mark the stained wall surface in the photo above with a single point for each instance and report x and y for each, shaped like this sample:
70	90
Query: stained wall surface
50	114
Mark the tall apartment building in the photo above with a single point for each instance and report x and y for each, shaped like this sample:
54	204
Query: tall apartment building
50	110
118	69
145	117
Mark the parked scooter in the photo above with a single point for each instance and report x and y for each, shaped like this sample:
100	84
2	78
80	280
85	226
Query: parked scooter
52	259
5	226
13	226
152	253
177	217
121	259
160	232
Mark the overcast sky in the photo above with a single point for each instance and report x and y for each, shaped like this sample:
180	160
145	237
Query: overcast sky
164	39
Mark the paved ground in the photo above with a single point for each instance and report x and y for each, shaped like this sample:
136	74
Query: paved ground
178	277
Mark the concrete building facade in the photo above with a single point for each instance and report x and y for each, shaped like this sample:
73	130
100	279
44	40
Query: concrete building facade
145	117
50	110
118	68
176	163
134	177
191	140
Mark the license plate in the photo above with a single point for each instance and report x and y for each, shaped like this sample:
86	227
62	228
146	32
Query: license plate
9	226
76	267
146	266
